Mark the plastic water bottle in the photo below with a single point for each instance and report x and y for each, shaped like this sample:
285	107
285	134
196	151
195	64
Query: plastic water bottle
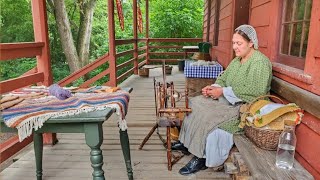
286	146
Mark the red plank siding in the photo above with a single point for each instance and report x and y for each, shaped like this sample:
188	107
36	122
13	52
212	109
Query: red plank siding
308	145
260	15
256	3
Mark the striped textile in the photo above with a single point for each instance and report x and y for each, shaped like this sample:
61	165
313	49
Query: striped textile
32	113
210	71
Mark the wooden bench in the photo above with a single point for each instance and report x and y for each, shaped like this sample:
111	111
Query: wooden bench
261	163
88	123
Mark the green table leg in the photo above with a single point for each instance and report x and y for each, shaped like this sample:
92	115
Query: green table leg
38	150
94	138
124	139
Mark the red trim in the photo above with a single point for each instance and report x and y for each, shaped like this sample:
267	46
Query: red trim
12	146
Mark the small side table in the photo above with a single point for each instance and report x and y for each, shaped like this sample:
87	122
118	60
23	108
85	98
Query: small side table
198	77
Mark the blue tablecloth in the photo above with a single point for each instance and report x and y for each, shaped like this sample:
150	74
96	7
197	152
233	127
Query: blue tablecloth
210	71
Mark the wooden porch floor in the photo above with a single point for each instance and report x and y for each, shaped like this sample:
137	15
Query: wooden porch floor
69	159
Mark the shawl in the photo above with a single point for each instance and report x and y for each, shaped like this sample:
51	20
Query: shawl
206	116
32	113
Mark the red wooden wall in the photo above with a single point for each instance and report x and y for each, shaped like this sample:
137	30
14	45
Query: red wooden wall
265	15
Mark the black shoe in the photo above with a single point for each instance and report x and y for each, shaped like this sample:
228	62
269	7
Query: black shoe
178	146
194	165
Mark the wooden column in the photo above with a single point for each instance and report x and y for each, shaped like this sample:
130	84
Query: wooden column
40	28
147	31
112	45
135	37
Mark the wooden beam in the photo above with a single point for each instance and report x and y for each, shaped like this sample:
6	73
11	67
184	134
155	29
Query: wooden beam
95	78
112	45
168	53
123	41
122	65
135	37
20	50
165	47
147	31
125	53
178	40
124	75
84	70
161	60
12	146
16	83
142	56
142	48
40	28
142	63
306	100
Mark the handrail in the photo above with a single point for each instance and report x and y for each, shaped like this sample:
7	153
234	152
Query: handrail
16	83
177	40
31	49
88	68
20	50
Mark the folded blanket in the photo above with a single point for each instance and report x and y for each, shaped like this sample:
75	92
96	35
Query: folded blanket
32	113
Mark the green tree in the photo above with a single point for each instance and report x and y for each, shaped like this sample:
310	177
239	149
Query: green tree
176	19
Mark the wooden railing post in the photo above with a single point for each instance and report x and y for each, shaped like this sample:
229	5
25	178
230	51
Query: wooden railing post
40	28
135	37
112	45
147	31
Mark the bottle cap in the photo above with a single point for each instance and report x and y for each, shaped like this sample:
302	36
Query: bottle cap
289	123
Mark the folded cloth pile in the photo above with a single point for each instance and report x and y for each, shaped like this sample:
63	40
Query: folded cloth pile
9	101
269	115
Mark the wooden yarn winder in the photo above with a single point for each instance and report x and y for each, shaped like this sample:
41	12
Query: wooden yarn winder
167	114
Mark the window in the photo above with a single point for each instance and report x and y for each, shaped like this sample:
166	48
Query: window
295	29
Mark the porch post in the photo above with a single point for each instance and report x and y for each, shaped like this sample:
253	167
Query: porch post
40	28
135	37
112	45
147	31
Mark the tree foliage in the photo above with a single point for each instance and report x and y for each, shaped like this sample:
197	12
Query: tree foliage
168	19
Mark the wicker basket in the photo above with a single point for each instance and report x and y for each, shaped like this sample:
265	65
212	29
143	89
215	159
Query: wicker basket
264	138
267	139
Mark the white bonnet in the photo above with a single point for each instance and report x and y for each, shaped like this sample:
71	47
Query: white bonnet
251	33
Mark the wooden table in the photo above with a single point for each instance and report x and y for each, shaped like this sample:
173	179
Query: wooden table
189	49
88	123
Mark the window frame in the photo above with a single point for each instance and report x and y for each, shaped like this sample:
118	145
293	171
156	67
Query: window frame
290	60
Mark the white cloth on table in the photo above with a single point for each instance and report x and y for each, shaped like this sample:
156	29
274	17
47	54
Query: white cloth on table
218	145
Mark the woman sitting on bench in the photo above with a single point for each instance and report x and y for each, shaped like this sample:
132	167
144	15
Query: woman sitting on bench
208	131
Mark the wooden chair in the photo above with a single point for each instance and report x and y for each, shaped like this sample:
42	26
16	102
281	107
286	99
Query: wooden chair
167	116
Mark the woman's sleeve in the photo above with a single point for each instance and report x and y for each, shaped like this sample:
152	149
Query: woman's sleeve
221	80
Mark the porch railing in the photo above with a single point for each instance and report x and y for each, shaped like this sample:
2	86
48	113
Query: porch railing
150	51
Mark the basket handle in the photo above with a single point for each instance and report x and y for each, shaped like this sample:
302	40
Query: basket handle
264	96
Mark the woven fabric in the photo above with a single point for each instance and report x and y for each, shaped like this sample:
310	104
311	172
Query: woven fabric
209	71
207	115
31	114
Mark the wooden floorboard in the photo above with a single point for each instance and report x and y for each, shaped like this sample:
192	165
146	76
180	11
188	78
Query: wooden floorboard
69	159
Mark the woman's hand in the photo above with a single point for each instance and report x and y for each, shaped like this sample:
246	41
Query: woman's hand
205	90
215	92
